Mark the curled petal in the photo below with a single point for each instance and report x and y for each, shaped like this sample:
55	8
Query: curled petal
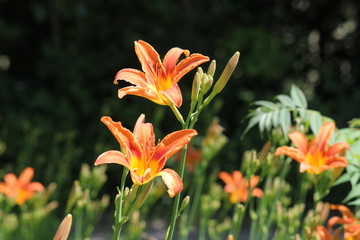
336	161
172	181
132	76
141	92
294	153
337	148
112	156
300	141
172	143
123	135
172	57
335	220
345	211
188	64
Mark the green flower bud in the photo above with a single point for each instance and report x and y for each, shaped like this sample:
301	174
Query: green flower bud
226	74
212	68
184	204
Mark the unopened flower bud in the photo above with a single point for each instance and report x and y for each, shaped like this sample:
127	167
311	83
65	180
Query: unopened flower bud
64	228
226	74
196	87
212	68
184	203
207	82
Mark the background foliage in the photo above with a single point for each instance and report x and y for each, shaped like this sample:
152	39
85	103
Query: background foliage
58	59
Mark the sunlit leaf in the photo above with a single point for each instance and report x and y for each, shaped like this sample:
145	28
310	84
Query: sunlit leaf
298	96
286	101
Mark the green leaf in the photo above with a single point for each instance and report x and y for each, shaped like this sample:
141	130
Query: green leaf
286	101
355	202
355	192
343	179
267	104
268	121
315	122
262	123
275	118
285	120
253	121
298	97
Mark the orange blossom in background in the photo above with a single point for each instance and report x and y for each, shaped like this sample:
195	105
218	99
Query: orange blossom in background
20	189
315	156
238	186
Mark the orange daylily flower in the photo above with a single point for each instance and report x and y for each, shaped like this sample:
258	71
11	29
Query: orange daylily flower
315	156
322	233
145	160
158	81
350	224
20	189
238	186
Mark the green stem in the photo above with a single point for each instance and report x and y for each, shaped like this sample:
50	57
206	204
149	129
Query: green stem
170	232
118	213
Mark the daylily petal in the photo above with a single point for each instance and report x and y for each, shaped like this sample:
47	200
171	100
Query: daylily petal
141	92
112	156
337	148
336	161
172	181
35	186
254	181
11	180
257	192
294	153
188	64
228	180
300	141
124	136
26	175
132	76
149	59
305	166
335	220
5	189
172	57
174	95
325	133
345	211
144	135
172	143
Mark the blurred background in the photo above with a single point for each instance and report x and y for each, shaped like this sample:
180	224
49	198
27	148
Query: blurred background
58	59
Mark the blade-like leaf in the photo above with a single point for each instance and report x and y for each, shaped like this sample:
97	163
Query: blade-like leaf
285	120
355	192
315	122
253	121
286	101
267	104
298	96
